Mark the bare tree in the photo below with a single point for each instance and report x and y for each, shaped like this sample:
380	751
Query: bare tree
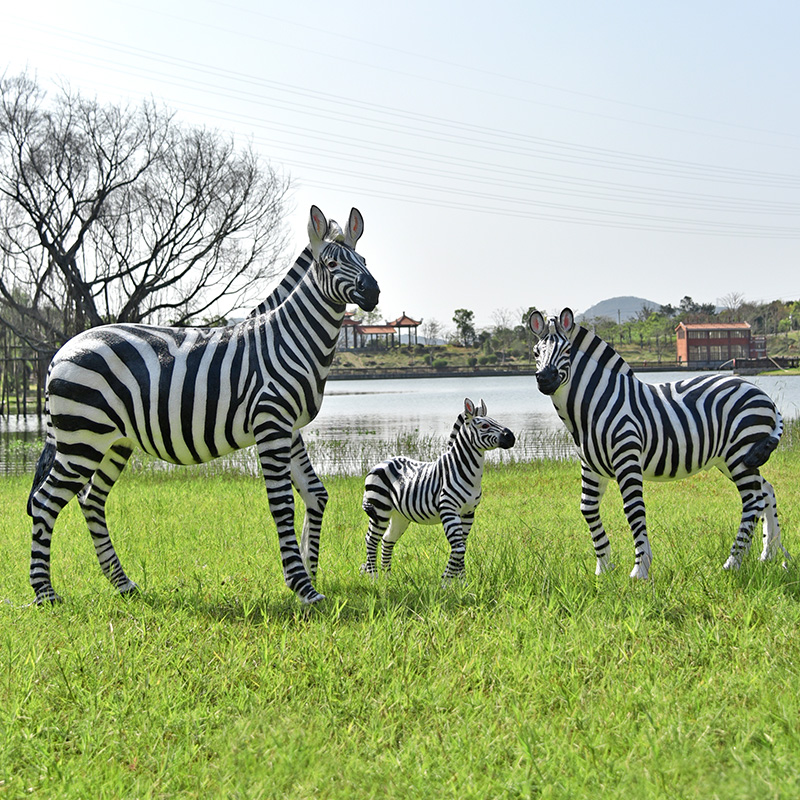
112	214
503	331
432	330
732	306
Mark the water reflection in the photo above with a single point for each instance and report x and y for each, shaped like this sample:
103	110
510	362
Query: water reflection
362	422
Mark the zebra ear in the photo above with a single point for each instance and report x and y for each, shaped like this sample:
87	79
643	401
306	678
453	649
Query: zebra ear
482	408
536	324
566	321
355	227
317	229
469	408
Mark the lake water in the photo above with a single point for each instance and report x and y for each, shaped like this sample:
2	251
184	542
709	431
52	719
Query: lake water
364	421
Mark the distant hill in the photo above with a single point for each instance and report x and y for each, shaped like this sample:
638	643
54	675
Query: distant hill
618	308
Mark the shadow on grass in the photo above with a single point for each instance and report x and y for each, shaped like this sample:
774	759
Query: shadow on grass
498	581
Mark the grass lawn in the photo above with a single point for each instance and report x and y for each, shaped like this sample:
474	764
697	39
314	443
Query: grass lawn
532	678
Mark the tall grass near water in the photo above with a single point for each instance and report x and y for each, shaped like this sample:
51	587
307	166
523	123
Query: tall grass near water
531	678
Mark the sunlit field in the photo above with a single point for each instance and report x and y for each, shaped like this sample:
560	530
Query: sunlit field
531	678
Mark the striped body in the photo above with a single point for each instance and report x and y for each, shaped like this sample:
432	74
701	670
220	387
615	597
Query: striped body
628	430
400	490
189	395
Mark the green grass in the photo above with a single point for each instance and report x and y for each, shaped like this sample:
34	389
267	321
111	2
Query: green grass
533	678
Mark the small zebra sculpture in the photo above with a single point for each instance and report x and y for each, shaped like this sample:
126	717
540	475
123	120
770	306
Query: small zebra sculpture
628	430
399	491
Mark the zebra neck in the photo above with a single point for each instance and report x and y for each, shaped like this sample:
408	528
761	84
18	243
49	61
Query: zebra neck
469	458
307	308
596	370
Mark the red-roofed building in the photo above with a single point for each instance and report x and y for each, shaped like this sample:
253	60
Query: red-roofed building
712	344
368	334
357	335
405	321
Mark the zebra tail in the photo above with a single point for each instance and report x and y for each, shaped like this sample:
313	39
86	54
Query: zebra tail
43	467
372	512
762	450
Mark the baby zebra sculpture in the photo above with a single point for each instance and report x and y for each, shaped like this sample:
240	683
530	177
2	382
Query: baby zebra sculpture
400	490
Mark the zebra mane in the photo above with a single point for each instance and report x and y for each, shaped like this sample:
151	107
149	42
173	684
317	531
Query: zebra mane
457	426
287	285
586	344
296	273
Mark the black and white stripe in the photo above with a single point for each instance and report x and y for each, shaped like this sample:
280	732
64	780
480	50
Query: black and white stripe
400	491
628	430
188	395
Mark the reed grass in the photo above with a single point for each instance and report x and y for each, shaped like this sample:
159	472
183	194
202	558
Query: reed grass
531	678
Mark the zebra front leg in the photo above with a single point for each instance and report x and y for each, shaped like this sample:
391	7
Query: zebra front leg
92	499
593	487
274	452
629	477
314	497
455	537
750	489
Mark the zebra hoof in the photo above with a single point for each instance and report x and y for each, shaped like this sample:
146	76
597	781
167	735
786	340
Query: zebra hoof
368	569
448	580
311	599
731	563
640	572
47	596
132	590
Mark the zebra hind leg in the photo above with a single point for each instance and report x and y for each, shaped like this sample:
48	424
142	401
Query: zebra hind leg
92	499
378	523
57	482
749	485
771	527
397	527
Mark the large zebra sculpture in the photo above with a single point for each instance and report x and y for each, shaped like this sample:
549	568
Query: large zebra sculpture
400	490
627	430
189	395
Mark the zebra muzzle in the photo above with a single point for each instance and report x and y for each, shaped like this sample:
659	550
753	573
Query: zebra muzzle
367	292
507	439
548	380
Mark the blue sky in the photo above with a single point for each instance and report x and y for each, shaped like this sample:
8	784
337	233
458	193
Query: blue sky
503	155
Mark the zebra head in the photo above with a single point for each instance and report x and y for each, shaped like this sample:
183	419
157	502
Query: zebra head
342	273
484	432
552	350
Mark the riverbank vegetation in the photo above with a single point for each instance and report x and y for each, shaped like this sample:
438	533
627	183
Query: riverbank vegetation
532	678
647	339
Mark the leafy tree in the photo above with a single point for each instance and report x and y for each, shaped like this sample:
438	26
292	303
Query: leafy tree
696	312
121	214
374	317
465	326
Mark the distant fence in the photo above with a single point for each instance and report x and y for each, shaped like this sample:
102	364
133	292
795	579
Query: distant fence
23	373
